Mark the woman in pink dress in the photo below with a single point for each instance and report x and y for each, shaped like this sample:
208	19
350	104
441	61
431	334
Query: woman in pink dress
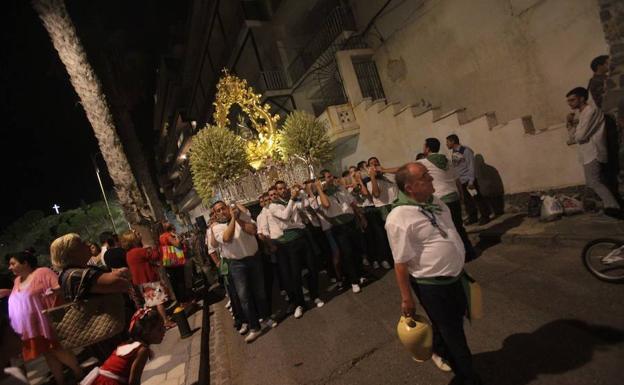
34	290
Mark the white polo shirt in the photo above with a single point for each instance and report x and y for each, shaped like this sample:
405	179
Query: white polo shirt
416	242
388	191
339	203
262	221
286	217
443	180
242	244
322	219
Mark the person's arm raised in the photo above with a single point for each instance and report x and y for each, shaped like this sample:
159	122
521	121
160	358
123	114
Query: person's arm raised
113	282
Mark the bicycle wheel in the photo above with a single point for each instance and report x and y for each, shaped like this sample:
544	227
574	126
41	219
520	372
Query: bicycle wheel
604	258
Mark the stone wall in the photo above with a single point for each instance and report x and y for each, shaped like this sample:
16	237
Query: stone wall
612	17
515	57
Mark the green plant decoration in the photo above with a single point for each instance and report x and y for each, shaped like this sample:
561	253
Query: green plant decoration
305	138
216	154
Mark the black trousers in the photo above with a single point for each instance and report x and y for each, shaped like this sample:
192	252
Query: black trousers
178	284
446	306
456	215
290	258
475	204
377	245
347	239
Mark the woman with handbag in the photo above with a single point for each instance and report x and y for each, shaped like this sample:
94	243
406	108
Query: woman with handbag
173	260
86	285
144	263
36	289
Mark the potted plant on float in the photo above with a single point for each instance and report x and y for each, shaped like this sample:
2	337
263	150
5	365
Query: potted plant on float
303	137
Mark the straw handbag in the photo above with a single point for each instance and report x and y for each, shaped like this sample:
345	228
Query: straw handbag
85	322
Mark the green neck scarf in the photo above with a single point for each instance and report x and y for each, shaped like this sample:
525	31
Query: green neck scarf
404	200
331	190
439	160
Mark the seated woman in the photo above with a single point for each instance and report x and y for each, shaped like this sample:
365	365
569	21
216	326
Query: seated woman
36	289
143	263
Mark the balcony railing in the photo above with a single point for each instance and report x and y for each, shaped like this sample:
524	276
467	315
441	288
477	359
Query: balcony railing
274	80
339	20
368	79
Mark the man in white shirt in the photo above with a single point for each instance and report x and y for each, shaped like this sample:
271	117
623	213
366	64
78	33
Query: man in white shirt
287	231
382	191
235	233
429	258
445	183
339	207
590	135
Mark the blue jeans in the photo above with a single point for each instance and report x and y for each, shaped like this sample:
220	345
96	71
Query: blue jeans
248	278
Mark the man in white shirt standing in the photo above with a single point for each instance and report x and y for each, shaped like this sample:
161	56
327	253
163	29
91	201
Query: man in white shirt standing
339	206
287	232
235	232
590	135
383	191
445	183
429	258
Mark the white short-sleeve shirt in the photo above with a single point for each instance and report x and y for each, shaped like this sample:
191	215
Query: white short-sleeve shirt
339	203
388	191
242	244
417	243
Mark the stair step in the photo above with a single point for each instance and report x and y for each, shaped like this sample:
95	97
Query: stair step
375	102
394	105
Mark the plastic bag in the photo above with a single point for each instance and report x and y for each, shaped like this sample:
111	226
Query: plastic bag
551	208
570	205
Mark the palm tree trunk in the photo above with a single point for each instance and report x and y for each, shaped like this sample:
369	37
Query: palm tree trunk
57	22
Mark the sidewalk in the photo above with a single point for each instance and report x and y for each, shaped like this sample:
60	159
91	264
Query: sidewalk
573	231
176	361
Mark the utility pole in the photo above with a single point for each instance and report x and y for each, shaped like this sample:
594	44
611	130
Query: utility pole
97	173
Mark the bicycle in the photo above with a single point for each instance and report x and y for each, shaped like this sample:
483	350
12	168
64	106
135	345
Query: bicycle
604	258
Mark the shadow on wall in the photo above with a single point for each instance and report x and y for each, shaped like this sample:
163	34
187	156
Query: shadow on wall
557	347
490	185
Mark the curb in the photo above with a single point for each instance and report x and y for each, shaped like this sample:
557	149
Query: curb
568	240
219	357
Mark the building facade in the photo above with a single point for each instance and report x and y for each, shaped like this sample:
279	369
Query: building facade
384	75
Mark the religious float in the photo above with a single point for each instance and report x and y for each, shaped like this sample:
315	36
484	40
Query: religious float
238	162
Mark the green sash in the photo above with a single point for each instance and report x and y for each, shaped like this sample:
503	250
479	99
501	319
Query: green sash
465	278
341	219
290	235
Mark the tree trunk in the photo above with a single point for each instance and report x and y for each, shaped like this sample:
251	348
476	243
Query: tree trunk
57	22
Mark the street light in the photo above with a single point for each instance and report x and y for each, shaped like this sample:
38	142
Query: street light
97	173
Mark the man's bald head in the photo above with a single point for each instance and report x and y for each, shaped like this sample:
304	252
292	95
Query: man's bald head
414	180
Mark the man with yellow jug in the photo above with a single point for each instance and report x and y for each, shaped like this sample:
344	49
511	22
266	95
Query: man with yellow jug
429	258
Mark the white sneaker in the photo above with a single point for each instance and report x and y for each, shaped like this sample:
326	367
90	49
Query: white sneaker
305	291
365	262
363	280
298	312
386	265
356	288
270	323
440	363
319	302
251	337
228	305
375	265
244	329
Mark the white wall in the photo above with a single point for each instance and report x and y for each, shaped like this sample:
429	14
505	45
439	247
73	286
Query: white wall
515	57
525	162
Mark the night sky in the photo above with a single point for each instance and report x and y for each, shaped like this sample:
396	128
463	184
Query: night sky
47	141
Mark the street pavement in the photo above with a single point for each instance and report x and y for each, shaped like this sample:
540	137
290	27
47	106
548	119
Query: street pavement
547	321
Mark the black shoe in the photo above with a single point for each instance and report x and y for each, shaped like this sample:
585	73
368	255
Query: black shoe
614	213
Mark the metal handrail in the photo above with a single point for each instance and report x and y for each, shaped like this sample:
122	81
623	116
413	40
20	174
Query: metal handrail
339	20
